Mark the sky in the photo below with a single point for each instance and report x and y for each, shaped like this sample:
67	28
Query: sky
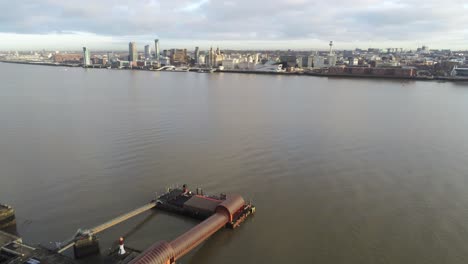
233	24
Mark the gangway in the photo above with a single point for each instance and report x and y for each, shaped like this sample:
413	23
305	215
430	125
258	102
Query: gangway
90	233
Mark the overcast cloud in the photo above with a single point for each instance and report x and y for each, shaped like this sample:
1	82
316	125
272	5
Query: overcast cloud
298	24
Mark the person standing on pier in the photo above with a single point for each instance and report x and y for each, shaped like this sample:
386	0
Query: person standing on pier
121	246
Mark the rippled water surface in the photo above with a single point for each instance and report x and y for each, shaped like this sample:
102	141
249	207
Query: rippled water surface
341	170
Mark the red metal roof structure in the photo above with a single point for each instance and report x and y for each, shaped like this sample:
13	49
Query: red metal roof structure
166	253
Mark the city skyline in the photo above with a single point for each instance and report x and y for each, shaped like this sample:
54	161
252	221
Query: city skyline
276	24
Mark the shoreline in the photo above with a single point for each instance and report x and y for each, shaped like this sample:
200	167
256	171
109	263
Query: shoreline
358	76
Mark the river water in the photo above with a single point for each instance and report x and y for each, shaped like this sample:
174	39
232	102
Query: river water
340	170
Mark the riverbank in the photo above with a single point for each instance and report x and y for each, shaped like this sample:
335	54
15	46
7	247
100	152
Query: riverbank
361	76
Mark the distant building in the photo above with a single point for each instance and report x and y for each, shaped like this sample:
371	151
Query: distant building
164	61
132	50
147	52
86	57
230	64
348	53
459	72
157	52
310	61
353	61
68	58
289	60
319	62
179	56
332	60
306	61
201	60
210	62
299	62
331	56
110	57
197	55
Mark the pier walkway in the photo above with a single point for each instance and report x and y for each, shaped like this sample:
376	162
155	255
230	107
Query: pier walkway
97	229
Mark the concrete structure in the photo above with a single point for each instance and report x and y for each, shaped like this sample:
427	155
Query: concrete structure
132	52
86	57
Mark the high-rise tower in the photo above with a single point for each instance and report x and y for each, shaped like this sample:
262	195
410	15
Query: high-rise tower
132	52
197	55
86	57
147	52
331	56
211	57
156	49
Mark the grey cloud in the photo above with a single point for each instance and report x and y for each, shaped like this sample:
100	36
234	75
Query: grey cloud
359	20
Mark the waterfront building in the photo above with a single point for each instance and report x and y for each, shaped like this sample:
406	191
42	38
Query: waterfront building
68	58
306	61
353	61
270	66
319	62
197	55
230	64
210	62
201	60
459	72
207	59
246	65
164	61
255	58
110	57
289	60
310	61
331	56
86	57
147	52
299	62
215	58
132	50
348	53
156	50
332	60
178	56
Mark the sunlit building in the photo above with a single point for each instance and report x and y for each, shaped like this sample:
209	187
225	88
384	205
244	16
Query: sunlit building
132	50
